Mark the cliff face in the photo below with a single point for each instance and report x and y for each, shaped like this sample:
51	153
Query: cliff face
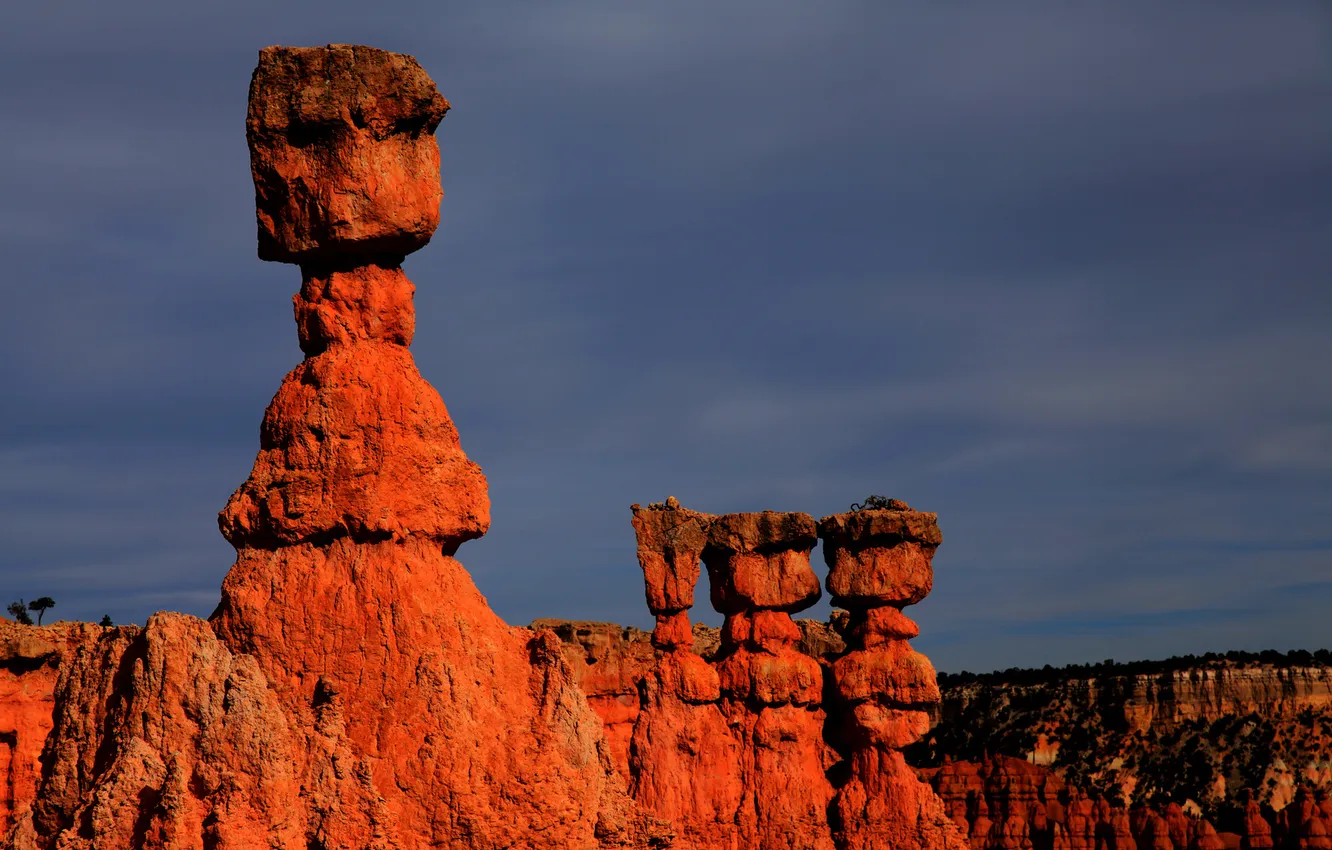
1210	694
1205	733
1006	803
30	659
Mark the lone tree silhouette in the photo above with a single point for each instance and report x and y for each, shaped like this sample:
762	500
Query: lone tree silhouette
40	605
19	612
875	502
106	621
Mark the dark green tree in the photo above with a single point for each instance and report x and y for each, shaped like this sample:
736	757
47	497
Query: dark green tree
41	604
19	612
106	621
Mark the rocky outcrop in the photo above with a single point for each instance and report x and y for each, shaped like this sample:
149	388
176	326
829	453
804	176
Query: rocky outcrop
1211	693
1007	803
353	689
30	659
879	562
609	663
771	694
727	719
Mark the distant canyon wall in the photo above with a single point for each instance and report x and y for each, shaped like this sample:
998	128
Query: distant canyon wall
1204	734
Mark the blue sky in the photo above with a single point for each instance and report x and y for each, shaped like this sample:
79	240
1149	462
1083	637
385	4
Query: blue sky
1059	272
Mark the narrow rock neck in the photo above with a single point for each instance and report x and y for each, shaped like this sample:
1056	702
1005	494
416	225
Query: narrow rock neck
344	305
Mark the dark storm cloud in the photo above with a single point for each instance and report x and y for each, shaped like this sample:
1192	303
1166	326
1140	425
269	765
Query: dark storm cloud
1056	272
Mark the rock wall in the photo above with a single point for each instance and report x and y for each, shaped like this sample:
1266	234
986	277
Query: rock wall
1007	803
30	658
1205	734
1212	693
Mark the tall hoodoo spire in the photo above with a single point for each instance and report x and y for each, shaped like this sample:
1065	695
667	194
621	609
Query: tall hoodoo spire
346	177
344	586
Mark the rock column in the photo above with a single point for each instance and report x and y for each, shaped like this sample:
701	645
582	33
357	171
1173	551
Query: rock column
462	731
1257	832
772	694
879	562
684	761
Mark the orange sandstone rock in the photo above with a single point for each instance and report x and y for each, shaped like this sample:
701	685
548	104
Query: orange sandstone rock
1257	832
353	689
356	443
1179	826
761	561
343	152
758	566
670	543
877	559
30	658
1205	837
608	663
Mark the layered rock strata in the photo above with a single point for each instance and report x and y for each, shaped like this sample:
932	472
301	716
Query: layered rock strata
734	748
1007	803
1241	725
683	761
353	689
879	562
772	694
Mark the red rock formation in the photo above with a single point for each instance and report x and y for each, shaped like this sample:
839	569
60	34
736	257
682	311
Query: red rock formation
1116	832
1164	711
715	748
1080	821
879	561
30	657
343	153
609	662
759	571
1004	787
353	688
1257	832
716	745
984	832
1179	826
684	762
1155	833
1315	834
1303	824
1204	837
